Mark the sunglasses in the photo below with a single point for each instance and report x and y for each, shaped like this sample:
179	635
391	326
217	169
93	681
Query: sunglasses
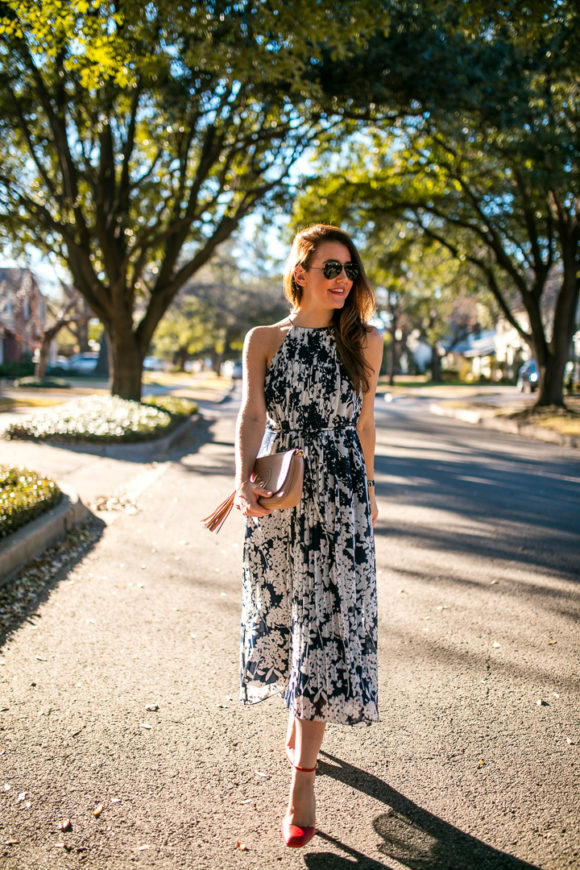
333	268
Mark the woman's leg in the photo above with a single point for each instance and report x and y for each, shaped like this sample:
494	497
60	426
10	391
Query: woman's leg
307	741
291	737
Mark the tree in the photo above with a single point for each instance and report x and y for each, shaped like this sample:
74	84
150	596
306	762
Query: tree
135	138
70	313
485	162
213	312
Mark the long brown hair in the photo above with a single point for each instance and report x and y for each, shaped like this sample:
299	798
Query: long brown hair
349	322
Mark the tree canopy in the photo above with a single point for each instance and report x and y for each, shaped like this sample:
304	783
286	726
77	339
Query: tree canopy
135	137
486	163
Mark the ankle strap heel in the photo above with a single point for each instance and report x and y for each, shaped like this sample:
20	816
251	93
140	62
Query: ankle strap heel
304	769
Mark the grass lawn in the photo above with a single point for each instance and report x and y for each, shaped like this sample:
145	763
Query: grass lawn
563	420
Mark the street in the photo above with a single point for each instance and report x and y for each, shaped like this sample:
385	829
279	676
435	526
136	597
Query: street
120	690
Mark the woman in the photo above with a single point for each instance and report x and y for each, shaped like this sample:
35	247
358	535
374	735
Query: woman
309	596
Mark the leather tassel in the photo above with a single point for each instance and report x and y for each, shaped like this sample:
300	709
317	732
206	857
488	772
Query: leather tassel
215	520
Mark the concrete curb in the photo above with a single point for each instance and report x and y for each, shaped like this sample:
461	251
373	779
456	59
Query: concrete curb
33	538
489	420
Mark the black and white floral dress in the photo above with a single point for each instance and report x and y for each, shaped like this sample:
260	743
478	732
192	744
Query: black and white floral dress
309	613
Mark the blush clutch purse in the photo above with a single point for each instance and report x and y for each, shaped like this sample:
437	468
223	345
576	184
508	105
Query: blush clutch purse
280	473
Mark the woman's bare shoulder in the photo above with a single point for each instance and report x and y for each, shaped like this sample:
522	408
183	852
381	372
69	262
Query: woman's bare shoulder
267	339
373	338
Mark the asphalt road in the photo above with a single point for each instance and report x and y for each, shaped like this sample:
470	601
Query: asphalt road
475	761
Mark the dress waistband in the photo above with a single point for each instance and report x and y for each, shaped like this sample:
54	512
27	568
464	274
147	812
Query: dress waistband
286	428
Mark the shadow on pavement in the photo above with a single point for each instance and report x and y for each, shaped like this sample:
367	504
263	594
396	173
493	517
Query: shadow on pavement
520	508
21	597
412	836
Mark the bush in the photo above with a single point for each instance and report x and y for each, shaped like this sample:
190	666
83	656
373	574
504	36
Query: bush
49	383
98	419
24	495
17	370
173	405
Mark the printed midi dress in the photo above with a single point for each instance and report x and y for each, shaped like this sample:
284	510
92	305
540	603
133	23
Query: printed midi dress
309	610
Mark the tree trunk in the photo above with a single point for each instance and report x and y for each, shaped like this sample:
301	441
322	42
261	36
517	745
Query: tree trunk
551	387
180	358
83	329
435	364
126	362
102	369
551	357
40	370
216	360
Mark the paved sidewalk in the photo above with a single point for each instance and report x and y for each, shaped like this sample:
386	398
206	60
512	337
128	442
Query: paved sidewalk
119	692
96	478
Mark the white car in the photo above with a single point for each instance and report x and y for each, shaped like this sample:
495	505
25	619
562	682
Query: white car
82	363
152	364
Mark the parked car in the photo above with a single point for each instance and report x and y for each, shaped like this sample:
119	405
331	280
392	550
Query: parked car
152	364
82	363
528	377
232	369
59	365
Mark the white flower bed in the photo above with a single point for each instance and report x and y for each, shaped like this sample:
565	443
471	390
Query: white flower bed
93	418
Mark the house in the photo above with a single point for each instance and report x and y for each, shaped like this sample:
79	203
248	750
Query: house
22	314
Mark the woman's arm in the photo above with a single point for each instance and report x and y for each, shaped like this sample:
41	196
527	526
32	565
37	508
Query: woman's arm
251	422
373	352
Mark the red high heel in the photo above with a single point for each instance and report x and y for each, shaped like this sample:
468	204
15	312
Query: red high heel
297	835
287	752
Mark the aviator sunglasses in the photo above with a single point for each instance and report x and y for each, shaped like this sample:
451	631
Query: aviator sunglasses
333	268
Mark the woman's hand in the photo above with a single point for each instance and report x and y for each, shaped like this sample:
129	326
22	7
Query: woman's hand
246	499
373	504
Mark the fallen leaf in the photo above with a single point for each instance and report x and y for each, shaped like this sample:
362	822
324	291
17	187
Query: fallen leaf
241	846
97	811
65	825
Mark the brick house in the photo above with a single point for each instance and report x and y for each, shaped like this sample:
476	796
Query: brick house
22	314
